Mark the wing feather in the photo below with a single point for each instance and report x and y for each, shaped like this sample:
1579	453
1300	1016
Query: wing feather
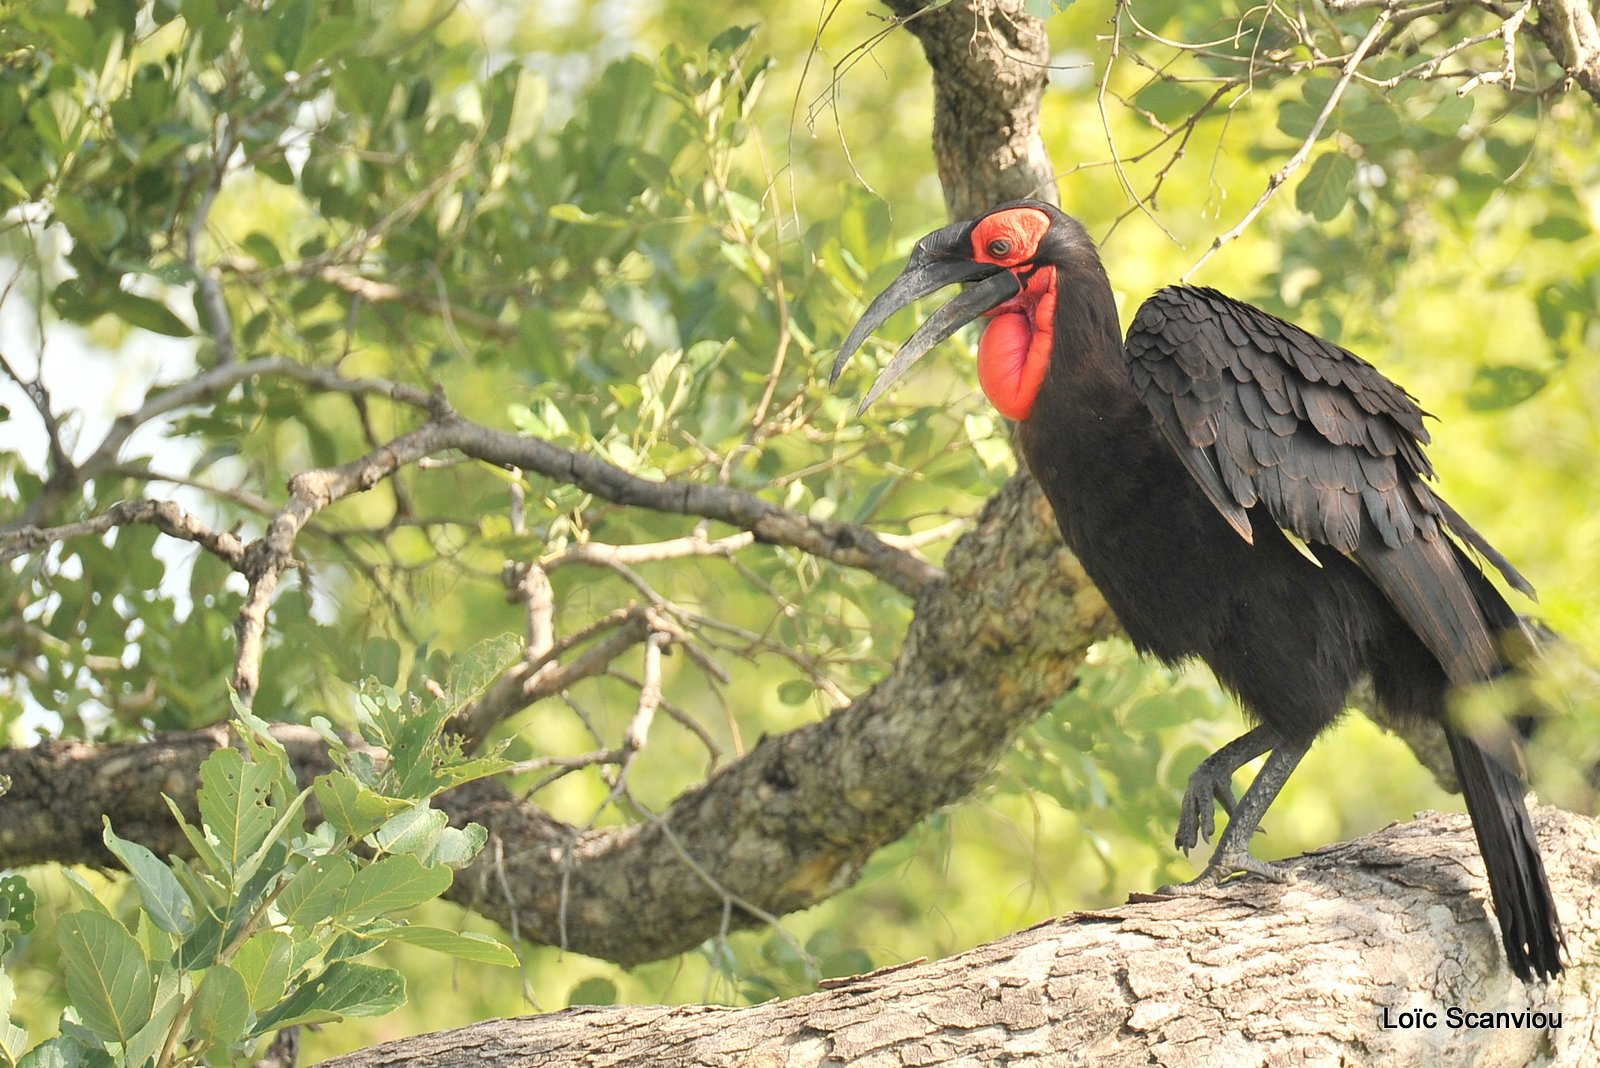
1263	413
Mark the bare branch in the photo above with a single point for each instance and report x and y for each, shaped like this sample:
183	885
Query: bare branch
696	544
213	304
163	515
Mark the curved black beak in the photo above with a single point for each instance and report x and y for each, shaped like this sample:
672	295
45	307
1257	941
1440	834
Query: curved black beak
939	260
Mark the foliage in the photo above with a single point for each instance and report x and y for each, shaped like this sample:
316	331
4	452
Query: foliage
639	250
265	927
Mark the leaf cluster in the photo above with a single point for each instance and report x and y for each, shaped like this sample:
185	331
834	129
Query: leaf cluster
266	926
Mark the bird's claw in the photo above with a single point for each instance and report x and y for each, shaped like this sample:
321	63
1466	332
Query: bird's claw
1197	819
1224	868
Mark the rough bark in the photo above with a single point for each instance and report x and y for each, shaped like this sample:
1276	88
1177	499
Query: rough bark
993	643
1567	27
989	61
1255	974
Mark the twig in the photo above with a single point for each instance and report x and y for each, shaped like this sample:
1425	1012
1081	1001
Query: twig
1282	174
163	515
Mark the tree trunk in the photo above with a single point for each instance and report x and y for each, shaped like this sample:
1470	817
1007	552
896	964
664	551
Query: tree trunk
1339	967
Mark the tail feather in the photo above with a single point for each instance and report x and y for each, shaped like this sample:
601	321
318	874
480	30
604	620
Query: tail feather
1522	900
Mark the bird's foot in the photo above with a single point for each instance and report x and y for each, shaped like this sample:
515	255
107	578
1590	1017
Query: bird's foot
1223	868
1197	818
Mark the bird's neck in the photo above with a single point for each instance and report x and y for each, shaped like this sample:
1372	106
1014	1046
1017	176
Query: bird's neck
1087	371
1085	419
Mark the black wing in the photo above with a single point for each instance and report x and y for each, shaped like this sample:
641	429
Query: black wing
1263	413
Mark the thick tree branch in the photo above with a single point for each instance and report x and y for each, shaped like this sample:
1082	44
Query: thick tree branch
993	643
1253	974
989	61
1567	27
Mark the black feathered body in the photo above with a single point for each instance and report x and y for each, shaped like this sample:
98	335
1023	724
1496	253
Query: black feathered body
1289	637
1176	462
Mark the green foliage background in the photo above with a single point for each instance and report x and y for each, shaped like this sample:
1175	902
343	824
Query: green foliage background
595	208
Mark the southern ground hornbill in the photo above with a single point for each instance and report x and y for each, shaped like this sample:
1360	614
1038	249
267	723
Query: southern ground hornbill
1245	492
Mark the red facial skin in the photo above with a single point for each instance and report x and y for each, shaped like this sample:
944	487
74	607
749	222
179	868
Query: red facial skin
1015	351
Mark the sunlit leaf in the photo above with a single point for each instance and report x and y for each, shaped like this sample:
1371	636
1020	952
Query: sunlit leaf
107	975
393	883
468	945
1322	193
164	899
345	989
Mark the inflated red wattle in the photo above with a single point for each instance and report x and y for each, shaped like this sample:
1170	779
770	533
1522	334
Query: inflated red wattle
1014	353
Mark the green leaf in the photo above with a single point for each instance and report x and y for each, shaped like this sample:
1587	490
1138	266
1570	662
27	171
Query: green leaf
1449	115
473	670
393	883
381	657
1372	125
87	898
457	846
1170	101
345	989
235	805
412	832
796	691
595	990
1295	118
108	978
468	945
13	1039
203	848
67	1052
329	37
95	221
17	906
262	249
353	809
1502	386
316	891
221	1007
164	899
1322	193
145	313
1561	228
263	966
144	1047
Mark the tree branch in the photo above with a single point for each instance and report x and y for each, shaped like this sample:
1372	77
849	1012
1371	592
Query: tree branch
989	61
163	515
1567	27
1253	974
994	642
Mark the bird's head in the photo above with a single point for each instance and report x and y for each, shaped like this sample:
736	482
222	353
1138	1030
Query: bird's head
1010	255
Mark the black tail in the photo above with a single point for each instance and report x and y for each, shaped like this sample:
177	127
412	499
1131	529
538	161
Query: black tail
1522	900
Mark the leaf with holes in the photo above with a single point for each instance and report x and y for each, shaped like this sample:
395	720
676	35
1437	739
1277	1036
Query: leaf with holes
235	805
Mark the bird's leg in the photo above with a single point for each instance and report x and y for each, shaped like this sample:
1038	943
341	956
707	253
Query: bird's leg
1212	784
1233	851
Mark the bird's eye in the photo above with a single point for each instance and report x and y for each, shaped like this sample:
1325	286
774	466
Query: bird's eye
999	247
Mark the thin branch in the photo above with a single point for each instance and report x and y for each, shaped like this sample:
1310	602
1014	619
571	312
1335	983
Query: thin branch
696	544
1282	174
163	515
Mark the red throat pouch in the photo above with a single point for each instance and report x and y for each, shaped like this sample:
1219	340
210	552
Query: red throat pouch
1015	351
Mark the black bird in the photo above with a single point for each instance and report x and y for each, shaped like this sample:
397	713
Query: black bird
1247	493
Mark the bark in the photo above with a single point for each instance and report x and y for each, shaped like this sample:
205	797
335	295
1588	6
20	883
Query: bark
989	61
1567	28
1254	974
